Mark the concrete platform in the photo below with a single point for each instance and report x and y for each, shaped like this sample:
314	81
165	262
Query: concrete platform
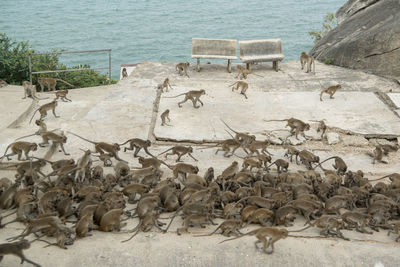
131	108
357	112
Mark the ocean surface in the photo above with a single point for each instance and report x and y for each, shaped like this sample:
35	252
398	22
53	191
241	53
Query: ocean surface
140	30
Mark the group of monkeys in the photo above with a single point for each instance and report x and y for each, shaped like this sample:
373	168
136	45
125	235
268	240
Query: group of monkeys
95	197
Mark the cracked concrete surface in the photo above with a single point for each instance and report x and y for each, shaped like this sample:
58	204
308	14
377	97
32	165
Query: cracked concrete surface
130	109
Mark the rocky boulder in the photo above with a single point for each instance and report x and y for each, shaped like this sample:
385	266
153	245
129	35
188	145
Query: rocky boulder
367	38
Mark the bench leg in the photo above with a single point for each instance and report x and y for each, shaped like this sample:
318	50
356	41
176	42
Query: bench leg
275	65
248	66
198	64
229	65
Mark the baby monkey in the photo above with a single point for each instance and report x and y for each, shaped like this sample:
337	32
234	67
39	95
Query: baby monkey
307	59
240	84
331	90
124	73
165	85
182	67
63	95
164	116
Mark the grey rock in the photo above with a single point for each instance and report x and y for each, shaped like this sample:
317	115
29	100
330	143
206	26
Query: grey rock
313	134
367	38
295	142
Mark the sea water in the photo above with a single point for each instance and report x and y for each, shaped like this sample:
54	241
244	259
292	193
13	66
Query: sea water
150	30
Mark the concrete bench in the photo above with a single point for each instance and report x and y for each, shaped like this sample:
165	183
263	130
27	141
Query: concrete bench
214	48
261	51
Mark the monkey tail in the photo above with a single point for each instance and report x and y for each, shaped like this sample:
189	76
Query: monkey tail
228	126
276	120
248	233
125	142
165	151
173	96
5	152
233	84
334	157
34	115
87	140
173	217
310	225
209	233
386	176
65	82
320	95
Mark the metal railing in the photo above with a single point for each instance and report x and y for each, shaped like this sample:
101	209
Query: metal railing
67	70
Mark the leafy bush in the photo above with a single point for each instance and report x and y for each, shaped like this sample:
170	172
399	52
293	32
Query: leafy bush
328	61
14	67
328	24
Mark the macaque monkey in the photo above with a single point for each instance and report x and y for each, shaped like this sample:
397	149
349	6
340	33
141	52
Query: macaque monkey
63	95
138	144
378	155
164	116
83	163
230	171
307	59
244	139
30	90
182	67
191	220
16	249
240	84
340	166
358	220
179	151
281	165
183	168
50	83
331	90
291	152
102	147
44	108
395	230
3	83
193	95
17	148
296	126
389	148
242	72
111	220
165	85
266	235
56	138
322	128
124	73
227	145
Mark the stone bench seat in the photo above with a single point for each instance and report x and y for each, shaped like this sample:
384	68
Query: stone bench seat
214	49
261	51
213	57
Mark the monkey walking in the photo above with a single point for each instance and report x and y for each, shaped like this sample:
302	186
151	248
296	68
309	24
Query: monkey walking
193	95
45	108
240	84
331	90
266	235
307	59
16	249
296	126
182	67
50	83
164	116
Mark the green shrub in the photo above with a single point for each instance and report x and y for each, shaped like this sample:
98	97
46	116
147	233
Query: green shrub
328	61
328	24
14	66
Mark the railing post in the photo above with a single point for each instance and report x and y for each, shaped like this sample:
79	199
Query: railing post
109	66
30	67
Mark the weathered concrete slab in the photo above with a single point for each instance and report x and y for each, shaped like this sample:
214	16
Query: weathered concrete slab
395	97
357	112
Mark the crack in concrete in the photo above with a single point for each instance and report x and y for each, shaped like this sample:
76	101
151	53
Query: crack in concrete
24	115
151	136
